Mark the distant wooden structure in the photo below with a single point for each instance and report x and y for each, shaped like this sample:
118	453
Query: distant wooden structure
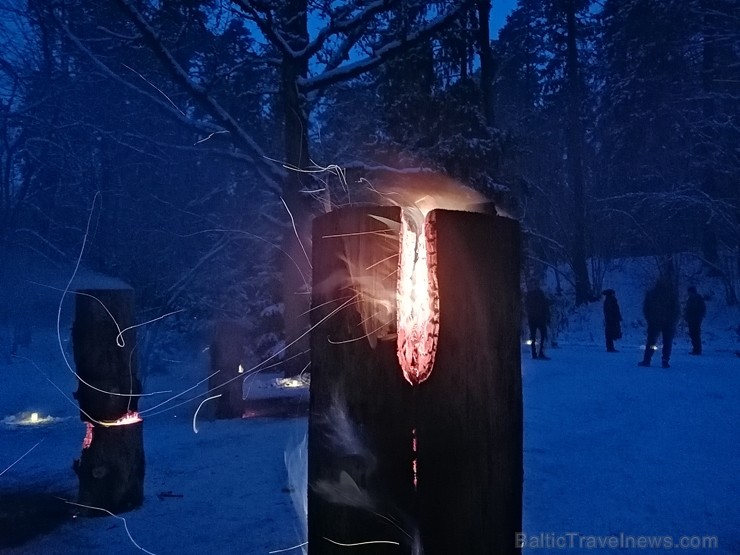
227	349
458	434
111	466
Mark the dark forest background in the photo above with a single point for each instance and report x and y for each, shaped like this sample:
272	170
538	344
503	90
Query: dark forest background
610	129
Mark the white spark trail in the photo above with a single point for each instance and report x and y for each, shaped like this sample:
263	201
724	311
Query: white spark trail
358	544
304	544
175	106
119	338
125	524
66	291
259	367
295	231
209	136
19	459
203	402
142	412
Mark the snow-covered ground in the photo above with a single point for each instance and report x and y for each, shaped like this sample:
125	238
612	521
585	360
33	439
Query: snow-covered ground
610	449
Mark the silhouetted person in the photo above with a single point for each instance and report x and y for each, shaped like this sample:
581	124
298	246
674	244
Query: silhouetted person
538	316
661	311
612	320
693	313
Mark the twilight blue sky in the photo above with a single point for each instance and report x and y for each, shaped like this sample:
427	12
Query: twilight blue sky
499	10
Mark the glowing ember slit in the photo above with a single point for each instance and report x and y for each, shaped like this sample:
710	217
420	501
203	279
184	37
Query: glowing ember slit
130	417
418	300
87	441
413	460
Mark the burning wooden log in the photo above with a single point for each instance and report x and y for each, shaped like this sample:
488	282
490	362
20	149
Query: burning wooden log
111	466
415	429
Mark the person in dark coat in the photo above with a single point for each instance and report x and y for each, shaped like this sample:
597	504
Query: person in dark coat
612	319
538	317
693	313
661	310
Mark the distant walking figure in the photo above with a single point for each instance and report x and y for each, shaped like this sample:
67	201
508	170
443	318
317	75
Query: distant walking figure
693	314
612	320
661	311
538	316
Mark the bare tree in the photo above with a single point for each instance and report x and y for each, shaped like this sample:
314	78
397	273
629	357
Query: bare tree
353	38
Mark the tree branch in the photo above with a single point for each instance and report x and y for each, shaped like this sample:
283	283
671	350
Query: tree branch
388	51
267	171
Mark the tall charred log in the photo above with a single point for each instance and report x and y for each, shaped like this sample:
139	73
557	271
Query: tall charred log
437	465
111	466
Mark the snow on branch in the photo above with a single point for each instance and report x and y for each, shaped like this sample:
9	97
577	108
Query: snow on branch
267	171
261	14
352	26
388	51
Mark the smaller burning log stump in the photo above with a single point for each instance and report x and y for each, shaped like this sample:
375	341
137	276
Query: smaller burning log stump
111	467
433	467
227	350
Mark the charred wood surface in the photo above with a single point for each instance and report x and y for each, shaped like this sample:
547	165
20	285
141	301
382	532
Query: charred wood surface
359	457
467	416
228	350
111	467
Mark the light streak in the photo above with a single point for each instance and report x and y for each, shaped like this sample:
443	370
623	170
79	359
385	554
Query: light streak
203	402
66	291
358	544
19	459
295	231
157	88
70	401
125	524
119	338
176	396
259	367
304	544
209	136
368	334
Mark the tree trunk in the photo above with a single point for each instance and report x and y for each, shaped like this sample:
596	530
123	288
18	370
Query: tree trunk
227	350
575	160
111	467
487	64
296	241
437	465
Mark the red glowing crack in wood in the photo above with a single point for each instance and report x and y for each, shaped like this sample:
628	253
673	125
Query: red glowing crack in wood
418	299
131	417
